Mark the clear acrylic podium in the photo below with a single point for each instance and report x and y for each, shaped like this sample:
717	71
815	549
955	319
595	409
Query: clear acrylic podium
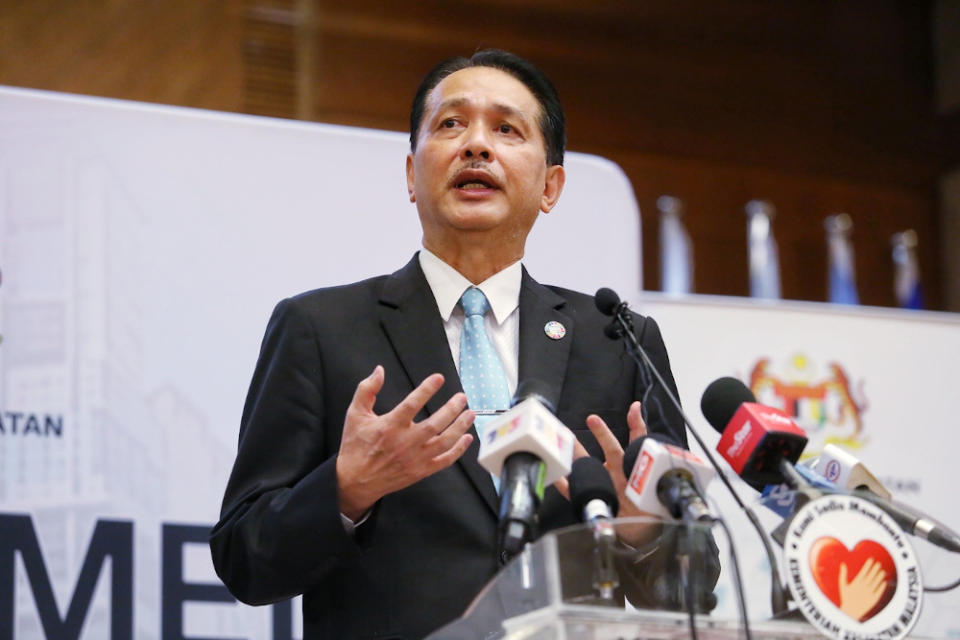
571	584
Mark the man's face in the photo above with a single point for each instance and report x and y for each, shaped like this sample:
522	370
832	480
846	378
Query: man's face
480	164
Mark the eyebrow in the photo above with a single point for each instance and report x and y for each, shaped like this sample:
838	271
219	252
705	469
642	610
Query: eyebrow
504	109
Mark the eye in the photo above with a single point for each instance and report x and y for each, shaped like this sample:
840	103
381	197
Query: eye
449	123
506	128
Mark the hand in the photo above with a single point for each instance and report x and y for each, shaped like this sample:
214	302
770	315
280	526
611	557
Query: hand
861	594
635	535
382	454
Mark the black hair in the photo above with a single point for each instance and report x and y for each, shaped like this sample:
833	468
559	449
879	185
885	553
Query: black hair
552	122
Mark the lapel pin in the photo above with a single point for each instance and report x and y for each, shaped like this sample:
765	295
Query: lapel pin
554	330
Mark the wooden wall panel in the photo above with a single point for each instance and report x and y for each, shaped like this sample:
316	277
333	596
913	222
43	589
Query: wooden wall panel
817	105
183	52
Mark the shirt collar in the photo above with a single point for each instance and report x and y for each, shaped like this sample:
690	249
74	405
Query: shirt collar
502	289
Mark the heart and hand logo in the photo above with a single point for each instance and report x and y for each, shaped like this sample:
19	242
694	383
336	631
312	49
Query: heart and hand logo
859	581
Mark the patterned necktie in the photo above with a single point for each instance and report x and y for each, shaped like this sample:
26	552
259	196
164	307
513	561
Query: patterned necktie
481	371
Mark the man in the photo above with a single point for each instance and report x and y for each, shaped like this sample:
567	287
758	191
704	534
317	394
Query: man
356	481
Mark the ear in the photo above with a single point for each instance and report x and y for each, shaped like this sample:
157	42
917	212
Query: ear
552	187
410	191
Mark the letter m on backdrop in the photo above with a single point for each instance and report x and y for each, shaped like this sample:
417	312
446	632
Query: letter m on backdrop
113	539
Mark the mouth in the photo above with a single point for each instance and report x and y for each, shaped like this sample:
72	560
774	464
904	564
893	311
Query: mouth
474	180
474	184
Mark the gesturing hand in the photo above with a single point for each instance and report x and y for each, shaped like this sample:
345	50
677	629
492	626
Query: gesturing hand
380	454
613	454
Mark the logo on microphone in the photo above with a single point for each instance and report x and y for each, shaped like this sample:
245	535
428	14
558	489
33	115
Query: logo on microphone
823	401
738	439
832	472
851	569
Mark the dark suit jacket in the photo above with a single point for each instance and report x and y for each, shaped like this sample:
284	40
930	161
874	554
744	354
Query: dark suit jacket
426	550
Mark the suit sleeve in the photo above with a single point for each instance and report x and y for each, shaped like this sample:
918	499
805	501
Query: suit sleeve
280	530
659	412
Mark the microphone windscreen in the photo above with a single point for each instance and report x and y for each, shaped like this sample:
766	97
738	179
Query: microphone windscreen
534	388
606	301
589	480
633	450
721	399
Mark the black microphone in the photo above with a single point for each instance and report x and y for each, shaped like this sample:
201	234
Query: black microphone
594	501
608	303
761	443
592	494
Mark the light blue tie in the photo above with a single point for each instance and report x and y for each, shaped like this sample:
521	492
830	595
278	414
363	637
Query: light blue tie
481	371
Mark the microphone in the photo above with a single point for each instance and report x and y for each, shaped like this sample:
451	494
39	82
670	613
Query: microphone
592	493
760	443
852	476
594	501
608	303
528	448
846	471
664	479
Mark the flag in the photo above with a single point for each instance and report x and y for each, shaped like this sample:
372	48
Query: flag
906	282
676	250
764	258
841	273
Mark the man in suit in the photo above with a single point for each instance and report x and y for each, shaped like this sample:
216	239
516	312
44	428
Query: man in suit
356	480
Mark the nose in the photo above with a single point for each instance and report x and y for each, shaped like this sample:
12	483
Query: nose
477	144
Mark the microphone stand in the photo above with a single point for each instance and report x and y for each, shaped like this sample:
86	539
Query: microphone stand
622	327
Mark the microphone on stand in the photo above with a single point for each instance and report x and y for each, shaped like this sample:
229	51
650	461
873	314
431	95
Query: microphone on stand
665	480
762	444
594	501
609	303
529	449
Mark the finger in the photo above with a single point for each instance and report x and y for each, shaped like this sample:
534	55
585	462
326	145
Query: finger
410	406
451	434
612	450
578	450
366	393
445	416
563	486
452	454
635	421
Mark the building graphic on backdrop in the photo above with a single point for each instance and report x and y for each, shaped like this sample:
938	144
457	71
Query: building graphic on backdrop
70	315
823	400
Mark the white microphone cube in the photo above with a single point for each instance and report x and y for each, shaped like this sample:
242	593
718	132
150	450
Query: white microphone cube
654	460
528	427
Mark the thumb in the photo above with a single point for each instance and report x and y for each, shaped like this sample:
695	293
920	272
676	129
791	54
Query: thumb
843	574
366	394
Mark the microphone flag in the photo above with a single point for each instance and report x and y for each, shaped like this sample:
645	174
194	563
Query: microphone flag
906	282
676	249
841	271
762	248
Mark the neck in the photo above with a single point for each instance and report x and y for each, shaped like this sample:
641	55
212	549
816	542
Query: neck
475	263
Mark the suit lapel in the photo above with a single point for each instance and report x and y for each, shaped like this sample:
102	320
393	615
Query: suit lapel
542	357
409	316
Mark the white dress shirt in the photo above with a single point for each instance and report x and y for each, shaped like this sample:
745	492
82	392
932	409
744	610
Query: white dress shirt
502	290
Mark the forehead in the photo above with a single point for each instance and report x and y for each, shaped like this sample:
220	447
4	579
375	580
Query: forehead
484	87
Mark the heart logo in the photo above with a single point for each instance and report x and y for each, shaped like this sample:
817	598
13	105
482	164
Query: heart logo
867	573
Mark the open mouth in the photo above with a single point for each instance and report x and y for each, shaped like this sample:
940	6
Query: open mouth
475	184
